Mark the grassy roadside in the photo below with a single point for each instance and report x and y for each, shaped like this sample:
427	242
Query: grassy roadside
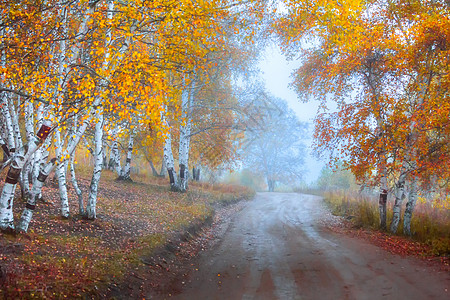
60	258
430	223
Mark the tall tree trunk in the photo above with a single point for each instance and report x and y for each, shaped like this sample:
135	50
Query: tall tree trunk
73	177
399	196
168	158
98	161
115	157
29	130
154	171
125	175
75	186
61	175
34	196
163	170
410	205
185	134
382	203
8	121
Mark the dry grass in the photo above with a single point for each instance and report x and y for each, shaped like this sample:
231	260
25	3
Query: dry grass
430	224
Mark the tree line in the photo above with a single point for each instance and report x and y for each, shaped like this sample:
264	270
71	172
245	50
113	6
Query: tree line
93	72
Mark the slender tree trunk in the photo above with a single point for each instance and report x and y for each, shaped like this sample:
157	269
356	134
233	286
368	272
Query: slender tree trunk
34	196
8	121
115	157
154	171
410	205
75	185
168	158
61	175
163	170
125	175
29	130
185	135
382	203
98	161
399	196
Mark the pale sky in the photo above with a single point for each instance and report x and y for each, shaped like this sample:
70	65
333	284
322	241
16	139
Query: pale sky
276	72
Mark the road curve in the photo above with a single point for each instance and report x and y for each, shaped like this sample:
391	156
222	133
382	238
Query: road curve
278	248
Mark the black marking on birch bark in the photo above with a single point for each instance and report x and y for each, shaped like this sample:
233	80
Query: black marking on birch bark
383	197
42	177
12	150
128	160
30	206
182	170
43	132
6	150
171	179
13	175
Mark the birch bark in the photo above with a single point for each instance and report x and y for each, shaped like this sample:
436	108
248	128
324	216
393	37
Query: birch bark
98	162
34	196
61	175
410	205
8	122
170	166
125	175
187	97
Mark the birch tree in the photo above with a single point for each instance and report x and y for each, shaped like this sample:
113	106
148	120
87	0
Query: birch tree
382	63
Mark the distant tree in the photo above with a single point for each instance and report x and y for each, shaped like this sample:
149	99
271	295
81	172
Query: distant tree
273	141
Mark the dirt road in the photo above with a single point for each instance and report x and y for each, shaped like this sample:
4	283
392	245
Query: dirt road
278	248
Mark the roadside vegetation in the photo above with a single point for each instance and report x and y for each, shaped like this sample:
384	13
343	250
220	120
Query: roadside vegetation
430	224
75	257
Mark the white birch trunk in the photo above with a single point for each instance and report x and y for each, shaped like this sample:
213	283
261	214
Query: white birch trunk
8	122
410	205
75	186
73	177
127	167
116	158
38	154
399	197
23	180
61	175
15	119
168	158
34	196
29	130
185	134
98	161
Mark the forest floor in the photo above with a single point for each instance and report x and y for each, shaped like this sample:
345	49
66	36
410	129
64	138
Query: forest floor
139	229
